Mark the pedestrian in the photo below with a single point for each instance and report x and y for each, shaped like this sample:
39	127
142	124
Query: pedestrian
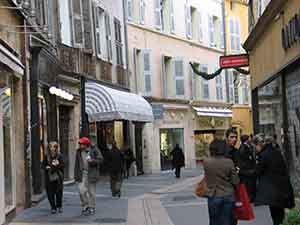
128	160
88	159
233	154
247	165
274	186
178	160
53	166
115	159
221	180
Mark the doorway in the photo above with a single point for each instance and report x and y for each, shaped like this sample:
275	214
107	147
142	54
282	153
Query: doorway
139	148
64	136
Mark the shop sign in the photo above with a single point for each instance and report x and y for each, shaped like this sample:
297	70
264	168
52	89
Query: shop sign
290	33
234	61
158	111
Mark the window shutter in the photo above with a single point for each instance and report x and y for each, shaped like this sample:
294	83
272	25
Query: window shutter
77	23
129	10
157	14
142	11
188	21
232	32
222	44
200	26
86	13
97	29
237	30
172	16
211	30
147	72
108	36
118	39
205	84
179	78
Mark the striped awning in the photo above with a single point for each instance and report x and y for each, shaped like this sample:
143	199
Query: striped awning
5	104
107	104
213	111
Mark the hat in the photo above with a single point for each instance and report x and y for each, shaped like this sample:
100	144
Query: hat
84	140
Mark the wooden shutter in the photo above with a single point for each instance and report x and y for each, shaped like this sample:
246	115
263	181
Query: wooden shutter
205	83
86	13
200	32
108	37
77	23
211	30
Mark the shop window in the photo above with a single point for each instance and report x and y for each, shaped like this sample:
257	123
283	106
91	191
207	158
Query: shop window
168	140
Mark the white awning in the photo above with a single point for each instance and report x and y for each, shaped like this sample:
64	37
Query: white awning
213	111
107	104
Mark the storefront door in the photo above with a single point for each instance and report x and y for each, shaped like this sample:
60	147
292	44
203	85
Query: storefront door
64	130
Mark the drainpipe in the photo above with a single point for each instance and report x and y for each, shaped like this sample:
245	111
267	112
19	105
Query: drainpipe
126	43
225	48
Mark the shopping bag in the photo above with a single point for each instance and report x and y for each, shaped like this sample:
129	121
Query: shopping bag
201	188
243	209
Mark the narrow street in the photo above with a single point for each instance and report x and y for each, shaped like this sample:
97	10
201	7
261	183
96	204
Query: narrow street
147	200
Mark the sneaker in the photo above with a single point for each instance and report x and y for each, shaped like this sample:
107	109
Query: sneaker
85	211
92	211
53	211
60	210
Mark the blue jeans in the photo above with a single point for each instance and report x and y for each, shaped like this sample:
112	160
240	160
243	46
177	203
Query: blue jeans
220	210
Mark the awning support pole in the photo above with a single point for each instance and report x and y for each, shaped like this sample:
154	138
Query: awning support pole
84	122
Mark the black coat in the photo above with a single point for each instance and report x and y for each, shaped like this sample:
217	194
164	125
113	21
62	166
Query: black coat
274	186
177	157
59	169
115	161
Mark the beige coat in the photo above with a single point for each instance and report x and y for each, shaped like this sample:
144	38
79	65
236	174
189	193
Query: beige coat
221	177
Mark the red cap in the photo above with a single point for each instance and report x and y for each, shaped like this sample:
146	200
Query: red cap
84	140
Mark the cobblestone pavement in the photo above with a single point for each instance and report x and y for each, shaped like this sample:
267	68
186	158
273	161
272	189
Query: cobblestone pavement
158	199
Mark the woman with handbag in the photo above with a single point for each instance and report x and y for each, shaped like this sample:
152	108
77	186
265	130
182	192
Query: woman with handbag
53	166
221	179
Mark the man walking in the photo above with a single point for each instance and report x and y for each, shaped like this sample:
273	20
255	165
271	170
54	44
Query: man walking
177	160
115	161
86	172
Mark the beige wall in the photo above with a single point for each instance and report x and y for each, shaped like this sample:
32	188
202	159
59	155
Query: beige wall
268	56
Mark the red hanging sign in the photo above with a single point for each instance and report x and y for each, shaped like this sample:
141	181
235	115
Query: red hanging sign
234	61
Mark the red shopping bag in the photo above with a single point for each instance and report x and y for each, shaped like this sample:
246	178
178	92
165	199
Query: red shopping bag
243	209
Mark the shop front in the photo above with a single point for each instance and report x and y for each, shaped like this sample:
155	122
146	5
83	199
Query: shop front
11	130
116	115
210	123
275	69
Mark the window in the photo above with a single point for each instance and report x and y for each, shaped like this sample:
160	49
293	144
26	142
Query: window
188	21
219	87
108	37
235	41
236	84
158	14
211	30
65	22
147	72
50	18
230	86
205	83
222	34
118	38
41	12
168	78
98	22
200	36
77	23
172	16
142	11
179	78
129	10
196	83
245	91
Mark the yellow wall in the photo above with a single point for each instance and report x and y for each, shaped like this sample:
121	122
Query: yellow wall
268	56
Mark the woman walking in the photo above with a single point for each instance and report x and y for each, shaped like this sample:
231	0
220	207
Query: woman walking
53	166
274	187
221	179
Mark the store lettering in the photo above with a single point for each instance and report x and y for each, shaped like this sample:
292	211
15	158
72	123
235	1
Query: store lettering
290	33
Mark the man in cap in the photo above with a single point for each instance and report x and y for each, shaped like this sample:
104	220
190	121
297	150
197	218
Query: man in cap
86	173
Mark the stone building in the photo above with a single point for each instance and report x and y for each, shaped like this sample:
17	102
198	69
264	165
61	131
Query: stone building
164	36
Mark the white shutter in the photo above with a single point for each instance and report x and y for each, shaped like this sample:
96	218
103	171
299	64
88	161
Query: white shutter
129	10
142	11
77	23
157	14
172	16
211	30
238	33
200	26
232	31
205	83
222	44
178	77
147	72
188	18
97	29
108	37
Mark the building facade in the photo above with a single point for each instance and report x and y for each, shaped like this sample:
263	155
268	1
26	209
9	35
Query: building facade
238	85
164	38
274	65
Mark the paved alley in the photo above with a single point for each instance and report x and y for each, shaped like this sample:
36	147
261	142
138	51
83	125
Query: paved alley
147	200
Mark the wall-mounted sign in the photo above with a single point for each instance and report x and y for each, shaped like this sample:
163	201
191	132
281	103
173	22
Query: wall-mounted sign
61	93
290	33
234	61
158	111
